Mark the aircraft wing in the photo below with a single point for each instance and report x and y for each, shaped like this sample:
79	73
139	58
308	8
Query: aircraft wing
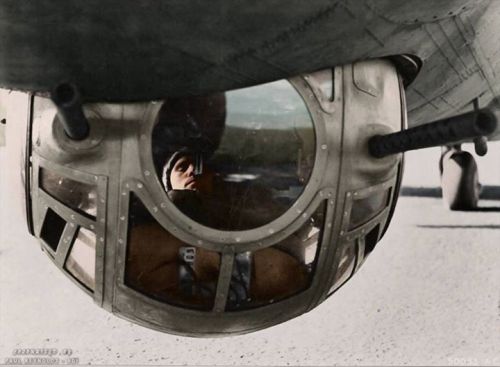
141	50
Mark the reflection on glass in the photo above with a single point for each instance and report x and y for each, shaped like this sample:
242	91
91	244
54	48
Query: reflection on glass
79	196
277	272
345	267
161	266
365	209
238	160
81	259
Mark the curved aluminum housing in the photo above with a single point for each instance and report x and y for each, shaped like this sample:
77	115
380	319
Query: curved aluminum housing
356	192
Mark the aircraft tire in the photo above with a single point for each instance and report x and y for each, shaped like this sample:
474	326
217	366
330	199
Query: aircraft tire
459	180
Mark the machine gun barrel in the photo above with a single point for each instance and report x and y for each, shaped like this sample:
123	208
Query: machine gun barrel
68	101
443	132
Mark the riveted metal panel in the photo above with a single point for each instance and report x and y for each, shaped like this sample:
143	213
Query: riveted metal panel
42	201
118	159
414	11
361	176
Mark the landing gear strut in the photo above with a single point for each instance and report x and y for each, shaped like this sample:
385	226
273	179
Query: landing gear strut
459	178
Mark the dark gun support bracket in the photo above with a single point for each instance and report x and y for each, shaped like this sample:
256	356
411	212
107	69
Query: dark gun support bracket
68	101
468	126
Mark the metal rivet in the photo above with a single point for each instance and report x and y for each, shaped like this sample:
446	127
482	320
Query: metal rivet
122	218
304	215
199	242
127	185
102	220
72	224
103	201
238	239
321	193
147	173
271	230
96	178
139	185
299	211
120	241
101	239
331	202
329	225
155	209
72	216
143	137
348	194
124	193
163	205
341	232
92	226
323	146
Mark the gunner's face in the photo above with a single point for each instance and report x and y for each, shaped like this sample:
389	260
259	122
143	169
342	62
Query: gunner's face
182	176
